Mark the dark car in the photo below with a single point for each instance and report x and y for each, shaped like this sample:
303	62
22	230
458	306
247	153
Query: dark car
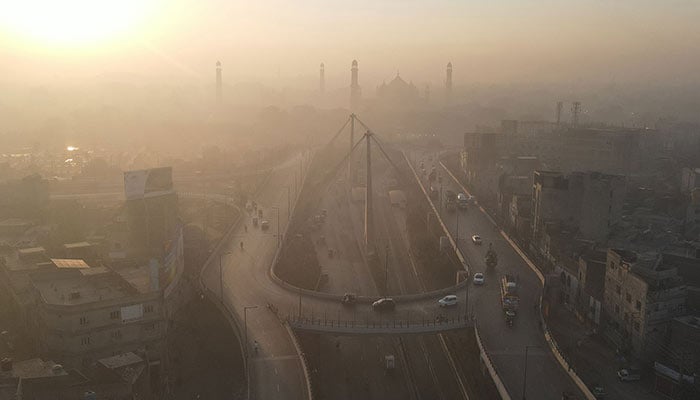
349	299
384	304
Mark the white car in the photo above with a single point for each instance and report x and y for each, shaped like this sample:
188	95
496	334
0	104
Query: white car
449	300
476	239
479	278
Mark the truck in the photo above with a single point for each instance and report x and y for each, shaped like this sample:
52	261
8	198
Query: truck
509	294
450	200
491	258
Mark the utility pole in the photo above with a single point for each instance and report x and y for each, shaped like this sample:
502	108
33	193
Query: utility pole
386	272
279	238
369	210
352	130
525	370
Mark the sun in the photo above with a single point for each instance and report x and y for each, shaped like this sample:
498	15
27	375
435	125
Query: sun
72	22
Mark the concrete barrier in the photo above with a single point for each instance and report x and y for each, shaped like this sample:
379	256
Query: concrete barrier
304	363
500	387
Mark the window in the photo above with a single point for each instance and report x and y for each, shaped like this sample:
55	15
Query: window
628	297
617	309
148	308
636	326
627	317
638	305
114	314
85	340
612	265
83	321
117	334
618	289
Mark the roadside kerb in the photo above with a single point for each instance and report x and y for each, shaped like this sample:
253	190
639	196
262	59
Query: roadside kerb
553	346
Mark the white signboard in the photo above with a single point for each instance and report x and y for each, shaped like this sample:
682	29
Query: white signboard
132	313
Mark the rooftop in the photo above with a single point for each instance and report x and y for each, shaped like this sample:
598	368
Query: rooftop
36	368
78	287
121	360
69	263
76	245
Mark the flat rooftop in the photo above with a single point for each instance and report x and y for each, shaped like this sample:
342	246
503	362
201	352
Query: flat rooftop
36	368
82	288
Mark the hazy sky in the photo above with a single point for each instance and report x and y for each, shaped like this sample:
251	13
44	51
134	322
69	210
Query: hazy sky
271	41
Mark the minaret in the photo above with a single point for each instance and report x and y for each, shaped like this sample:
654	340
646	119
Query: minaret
354	88
218	82
448	82
322	79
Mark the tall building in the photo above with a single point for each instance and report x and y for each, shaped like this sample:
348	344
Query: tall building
448	82
643	293
218	82
322	79
354	87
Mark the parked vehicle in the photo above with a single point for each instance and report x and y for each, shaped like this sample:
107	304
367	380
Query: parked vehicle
476	239
255	221
265	225
509	293
384	304
479	278
462	200
629	374
447	301
349	299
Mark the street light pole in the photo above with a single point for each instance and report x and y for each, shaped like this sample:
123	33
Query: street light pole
525	370
279	239
221	276
386	272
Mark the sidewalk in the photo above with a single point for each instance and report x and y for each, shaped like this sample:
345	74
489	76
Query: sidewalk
593	359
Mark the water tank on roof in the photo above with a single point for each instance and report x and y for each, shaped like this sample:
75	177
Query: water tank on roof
90	395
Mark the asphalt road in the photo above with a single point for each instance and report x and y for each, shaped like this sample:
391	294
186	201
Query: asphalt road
275	370
356	369
506	346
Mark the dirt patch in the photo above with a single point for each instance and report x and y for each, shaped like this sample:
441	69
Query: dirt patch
298	264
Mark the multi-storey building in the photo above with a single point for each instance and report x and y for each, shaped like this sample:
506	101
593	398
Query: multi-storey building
587	202
642	294
87	313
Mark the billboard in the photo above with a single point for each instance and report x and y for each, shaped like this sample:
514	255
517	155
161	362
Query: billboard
148	183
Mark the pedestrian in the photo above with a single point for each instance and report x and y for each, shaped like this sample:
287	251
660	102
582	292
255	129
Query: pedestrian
246	228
